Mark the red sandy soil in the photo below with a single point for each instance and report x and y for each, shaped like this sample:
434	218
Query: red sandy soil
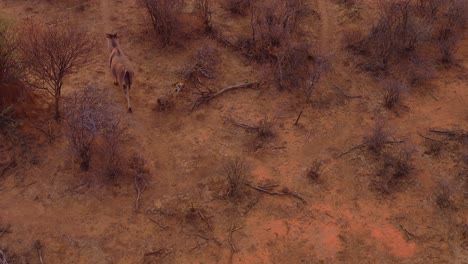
79	218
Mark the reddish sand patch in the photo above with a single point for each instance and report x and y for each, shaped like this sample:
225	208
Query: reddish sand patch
389	238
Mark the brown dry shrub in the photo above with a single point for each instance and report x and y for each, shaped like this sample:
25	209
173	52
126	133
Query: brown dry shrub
377	138
392	93
239	7
203	10
94	126
395	170
235	171
314	171
50	53
353	41
164	16
203	65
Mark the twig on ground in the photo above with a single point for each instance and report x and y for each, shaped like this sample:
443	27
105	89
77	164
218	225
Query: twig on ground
158	223
346	95
284	191
428	138
206	96
298	117
5	230
362	145
449	132
38	247
6	168
407	233
3	257
140	186
232	230
204	218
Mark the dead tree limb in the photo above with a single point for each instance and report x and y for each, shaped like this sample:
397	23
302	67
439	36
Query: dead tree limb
232	230
450	133
298	117
5	230
140	186
283	192
362	145
428	138
6	168
3	257
206	96
344	94
407	233
158	223
38	247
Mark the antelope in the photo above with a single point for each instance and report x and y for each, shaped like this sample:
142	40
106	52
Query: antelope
120	67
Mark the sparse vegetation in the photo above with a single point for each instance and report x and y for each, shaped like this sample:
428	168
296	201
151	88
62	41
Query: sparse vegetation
203	65
314	171
239	7
392	93
443	195
164	16
204	11
91	117
50	53
235	171
395	170
377	138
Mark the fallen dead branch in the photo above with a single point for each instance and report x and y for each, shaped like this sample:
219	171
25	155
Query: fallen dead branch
159	224
140	186
284	191
345	94
232	230
5	230
3	257
407	233
362	145
162	252
298	117
7	167
38	247
204	218
428	138
206	96
450	133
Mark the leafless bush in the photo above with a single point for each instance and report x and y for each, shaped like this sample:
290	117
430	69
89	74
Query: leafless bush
238	6
49	53
396	35
91	117
396	169
138	166
204	11
235	170
353	40
203	65
377	138
314	171
9	67
347	3
447	41
273	23
3	257
164	17
443	195
429	8
392	93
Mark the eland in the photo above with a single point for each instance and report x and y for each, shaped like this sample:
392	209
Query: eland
120	67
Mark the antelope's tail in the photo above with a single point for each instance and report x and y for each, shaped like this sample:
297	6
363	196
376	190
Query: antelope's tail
128	79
